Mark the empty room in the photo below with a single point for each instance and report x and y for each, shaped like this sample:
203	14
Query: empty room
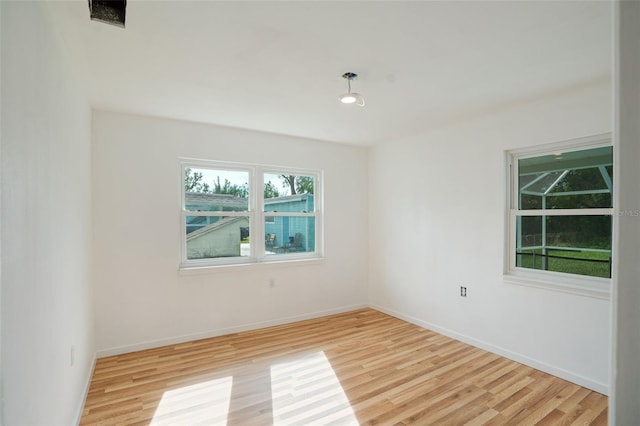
320	212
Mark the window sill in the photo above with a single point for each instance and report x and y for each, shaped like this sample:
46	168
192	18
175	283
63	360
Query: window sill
582	286
187	270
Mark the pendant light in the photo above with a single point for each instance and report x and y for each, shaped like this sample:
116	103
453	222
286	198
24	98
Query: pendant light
351	97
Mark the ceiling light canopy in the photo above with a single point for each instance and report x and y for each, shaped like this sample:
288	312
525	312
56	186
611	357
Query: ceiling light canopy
351	97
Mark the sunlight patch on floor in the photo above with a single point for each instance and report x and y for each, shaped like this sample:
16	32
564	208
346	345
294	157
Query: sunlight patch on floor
203	402
307	391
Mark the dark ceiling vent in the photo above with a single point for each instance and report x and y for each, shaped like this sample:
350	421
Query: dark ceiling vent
108	11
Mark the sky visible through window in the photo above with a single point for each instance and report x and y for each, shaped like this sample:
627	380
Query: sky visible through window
210	176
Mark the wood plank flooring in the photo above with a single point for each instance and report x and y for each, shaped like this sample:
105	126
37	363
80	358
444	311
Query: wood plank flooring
361	367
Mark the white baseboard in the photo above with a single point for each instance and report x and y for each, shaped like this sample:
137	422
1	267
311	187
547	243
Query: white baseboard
222	331
87	385
558	372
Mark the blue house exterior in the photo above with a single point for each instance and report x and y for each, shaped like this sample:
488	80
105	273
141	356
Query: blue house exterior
206	202
283	234
292	233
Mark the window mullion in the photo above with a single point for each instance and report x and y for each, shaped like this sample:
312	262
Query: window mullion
217	213
258	215
293	214
565	212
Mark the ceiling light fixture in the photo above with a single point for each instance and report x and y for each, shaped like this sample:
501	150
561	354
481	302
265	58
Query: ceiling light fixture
349	97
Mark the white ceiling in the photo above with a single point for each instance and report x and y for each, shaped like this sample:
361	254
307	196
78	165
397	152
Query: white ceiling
275	66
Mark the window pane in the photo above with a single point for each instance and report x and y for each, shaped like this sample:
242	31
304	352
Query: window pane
290	234
566	180
571	244
216	190
288	193
581	180
582	201
537	183
217	236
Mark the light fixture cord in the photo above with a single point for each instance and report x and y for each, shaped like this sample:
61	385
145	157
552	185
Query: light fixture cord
349	84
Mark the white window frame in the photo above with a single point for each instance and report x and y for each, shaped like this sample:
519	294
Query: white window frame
564	282
255	213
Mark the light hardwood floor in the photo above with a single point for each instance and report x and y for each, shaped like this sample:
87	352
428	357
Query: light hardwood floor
361	367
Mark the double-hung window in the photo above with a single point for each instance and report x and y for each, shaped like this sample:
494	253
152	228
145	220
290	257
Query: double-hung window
560	216
246	213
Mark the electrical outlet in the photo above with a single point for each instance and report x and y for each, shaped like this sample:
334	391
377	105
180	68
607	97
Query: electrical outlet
463	291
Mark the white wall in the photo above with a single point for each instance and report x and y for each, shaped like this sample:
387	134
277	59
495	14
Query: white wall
625	403
142	300
1	137
437	204
46	224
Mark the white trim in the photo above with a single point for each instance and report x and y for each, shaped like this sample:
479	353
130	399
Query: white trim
514	356
569	283
151	344
257	226
255	213
186	213
565	283
215	262
289	214
564	212
85	391
578	144
615	140
283	260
